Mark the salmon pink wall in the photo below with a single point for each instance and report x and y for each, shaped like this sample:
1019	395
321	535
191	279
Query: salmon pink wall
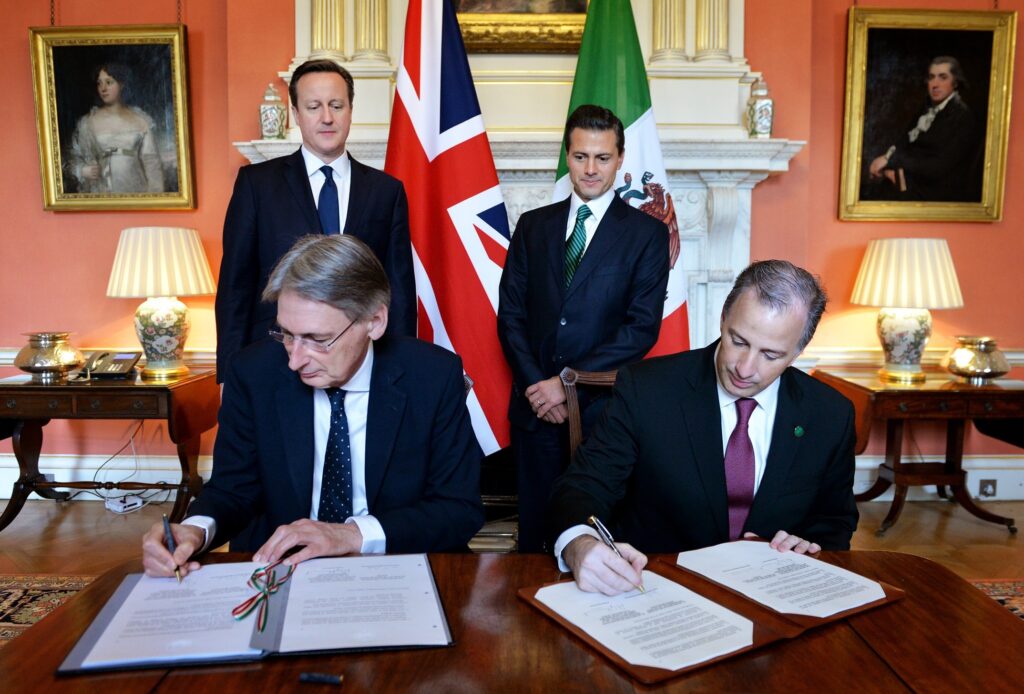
57	264
800	45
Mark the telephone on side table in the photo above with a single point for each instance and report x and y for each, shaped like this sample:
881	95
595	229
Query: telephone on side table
108	364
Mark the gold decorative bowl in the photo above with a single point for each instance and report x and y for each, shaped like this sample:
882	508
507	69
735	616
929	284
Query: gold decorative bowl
976	359
48	357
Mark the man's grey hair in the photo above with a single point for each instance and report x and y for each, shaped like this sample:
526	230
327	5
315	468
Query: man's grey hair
338	270
781	285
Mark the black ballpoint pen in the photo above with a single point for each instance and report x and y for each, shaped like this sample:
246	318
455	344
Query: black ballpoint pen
169	539
606	538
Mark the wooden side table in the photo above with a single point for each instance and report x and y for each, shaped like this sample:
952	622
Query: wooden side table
188	405
939	397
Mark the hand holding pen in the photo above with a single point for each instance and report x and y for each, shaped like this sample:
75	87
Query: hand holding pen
609	541
602	566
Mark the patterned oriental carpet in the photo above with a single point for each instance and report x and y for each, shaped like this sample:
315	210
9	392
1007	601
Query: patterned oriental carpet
25	598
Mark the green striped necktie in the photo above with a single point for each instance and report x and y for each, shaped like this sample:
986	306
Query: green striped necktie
575	245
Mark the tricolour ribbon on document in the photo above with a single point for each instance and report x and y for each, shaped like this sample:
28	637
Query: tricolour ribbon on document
265	582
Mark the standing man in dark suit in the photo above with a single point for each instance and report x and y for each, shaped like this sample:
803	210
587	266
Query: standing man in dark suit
341	440
583	286
716	444
277	201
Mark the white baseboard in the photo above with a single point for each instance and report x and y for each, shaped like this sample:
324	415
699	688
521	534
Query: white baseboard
83	468
1006	470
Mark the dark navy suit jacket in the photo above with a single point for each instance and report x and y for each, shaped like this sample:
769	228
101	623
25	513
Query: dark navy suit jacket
422	459
654	463
272	206
609	315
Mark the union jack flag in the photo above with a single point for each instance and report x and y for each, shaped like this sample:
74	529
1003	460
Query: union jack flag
438	148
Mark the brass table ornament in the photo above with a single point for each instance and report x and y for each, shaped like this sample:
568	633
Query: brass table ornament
49	357
976	359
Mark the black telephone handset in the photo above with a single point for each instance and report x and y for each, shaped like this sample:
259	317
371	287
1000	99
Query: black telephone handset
110	365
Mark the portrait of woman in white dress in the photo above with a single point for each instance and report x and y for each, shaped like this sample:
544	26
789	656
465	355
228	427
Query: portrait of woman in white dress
114	146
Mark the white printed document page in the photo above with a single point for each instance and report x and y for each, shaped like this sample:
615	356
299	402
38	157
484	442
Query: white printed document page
784	581
668	626
162	620
374	601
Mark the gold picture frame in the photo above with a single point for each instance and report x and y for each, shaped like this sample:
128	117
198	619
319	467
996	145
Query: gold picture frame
522	32
112	117
893	172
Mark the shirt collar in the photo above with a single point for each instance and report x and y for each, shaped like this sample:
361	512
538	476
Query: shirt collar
766	398
342	165
598	206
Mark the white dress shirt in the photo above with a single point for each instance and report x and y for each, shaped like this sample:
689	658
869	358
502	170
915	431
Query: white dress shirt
357	400
598	206
760	425
342	168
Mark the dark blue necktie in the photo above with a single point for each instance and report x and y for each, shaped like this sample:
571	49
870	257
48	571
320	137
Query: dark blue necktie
336	483
327	206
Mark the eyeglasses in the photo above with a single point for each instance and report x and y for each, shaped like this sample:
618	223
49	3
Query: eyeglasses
322	346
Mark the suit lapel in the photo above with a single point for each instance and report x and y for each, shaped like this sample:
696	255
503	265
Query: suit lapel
358	191
384	416
699	404
295	414
298	183
609	232
790	412
554	240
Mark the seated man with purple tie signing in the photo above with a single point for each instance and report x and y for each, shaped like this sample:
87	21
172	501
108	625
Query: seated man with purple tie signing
334	438
716	444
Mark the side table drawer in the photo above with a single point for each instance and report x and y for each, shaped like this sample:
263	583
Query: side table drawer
117	405
997	406
916	407
38	406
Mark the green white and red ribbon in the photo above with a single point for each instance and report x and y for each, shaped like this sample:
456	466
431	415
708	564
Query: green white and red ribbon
265	582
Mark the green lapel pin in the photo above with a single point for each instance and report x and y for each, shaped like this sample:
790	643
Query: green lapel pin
798	431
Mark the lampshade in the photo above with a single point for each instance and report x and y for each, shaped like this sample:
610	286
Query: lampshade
907	273
160	261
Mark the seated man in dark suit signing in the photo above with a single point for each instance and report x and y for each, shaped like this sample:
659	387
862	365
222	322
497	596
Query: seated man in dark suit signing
337	440
716	444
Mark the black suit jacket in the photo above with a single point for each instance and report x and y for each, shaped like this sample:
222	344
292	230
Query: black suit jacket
422	459
272	206
608	317
654	464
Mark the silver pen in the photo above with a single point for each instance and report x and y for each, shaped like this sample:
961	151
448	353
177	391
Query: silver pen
607	539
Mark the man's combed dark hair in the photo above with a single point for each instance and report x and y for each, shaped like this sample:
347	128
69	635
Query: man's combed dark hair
781	285
954	69
319	66
591	117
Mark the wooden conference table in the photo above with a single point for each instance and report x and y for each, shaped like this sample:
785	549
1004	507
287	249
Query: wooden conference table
945	635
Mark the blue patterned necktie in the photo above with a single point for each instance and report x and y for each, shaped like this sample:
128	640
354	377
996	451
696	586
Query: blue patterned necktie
327	205
575	245
336	483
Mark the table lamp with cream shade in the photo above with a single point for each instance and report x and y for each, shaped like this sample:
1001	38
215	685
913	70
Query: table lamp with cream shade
160	264
906	277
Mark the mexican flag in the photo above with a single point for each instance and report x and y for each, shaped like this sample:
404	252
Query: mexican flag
610	73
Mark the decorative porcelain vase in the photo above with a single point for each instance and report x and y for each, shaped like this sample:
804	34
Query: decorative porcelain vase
760	111
272	115
903	332
162	326
48	357
976	359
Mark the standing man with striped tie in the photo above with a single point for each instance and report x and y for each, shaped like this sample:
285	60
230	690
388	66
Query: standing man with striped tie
716	444
583	286
319	189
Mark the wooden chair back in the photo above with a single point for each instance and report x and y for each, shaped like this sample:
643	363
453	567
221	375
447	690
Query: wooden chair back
570	379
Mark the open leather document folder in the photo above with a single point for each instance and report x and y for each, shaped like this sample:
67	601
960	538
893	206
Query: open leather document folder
326	605
713	604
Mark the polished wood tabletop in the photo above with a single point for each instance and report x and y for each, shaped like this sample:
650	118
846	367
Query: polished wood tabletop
944	636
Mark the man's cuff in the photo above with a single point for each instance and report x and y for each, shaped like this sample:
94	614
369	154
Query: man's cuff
374	540
568	536
209	527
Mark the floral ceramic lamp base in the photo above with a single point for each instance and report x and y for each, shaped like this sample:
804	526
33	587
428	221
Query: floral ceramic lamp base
904	332
162	325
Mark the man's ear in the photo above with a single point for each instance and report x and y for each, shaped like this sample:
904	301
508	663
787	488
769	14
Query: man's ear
378	323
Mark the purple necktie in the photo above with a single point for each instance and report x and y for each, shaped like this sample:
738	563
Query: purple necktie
739	468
